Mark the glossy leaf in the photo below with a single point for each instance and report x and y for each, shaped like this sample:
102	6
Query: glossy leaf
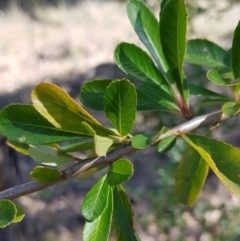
64	112
120	171
173	27
95	201
190	177
99	228
45	174
146	27
222	158
216	78
166	144
141	141
231	108
22	123
92	93
120	105
19	215
49	156
138	65
122	224
8	212
206	53
236	52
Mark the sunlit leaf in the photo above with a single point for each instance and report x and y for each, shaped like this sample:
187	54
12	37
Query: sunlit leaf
45	174
190	177
22	123
64	112
216	78
19	215
122	224
206	53
166	144
92	93
120	171
8	212
231	108
120	105
99	228
236	52
141	141
146	27
222	158
95	201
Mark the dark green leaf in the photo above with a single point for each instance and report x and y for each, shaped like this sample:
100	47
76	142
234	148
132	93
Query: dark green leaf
120	171
173	27
99	228
166	144
92	93
190	177
138	65
19	215
141	141
64	112
45	174
95	201
120	105
48	155
22	123
236	53
8	212
206	53
231	108
222	158
146	27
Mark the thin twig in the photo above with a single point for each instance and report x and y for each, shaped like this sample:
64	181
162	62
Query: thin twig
31	187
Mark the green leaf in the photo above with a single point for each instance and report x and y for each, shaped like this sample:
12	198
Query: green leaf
138	65
231	108
166	144
45	174
190	177
236	52
206	53
222	158
76	147
8	212
173	27
19	147
122	223
146	27
19	215
49	156
22	123
64	112
99	228
141	141
92	93
120	105
95	201
216	78
120	171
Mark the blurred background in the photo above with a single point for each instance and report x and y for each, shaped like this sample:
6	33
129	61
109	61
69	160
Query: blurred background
68	42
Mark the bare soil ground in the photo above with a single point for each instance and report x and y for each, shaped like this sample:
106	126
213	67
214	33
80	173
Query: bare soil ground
69	46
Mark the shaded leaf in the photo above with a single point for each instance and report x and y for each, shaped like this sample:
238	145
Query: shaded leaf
49	156
216	78
75	147
45	174
206	53
95	201
92	93
138	65
146	27
22	123
19	147
190	177
120	105
222	158
99	228
8	212
64	112
120	171
231	108
236	52
19	215
166	144
122	224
